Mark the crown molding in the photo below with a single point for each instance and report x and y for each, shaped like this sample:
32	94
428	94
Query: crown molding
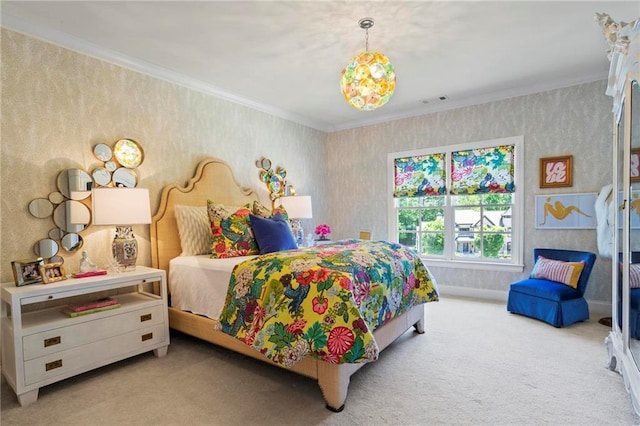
66	41
474	100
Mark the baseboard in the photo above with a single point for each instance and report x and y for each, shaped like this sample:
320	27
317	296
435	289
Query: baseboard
597	308
474	293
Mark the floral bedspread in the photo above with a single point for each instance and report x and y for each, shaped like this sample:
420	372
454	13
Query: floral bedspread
325	301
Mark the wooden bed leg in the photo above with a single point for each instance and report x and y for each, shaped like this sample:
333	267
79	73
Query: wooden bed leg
334	385
419	326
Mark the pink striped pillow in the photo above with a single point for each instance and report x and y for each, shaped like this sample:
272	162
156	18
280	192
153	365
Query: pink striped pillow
555	270
634	275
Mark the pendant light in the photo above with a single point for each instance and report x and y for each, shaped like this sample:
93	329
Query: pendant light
368	81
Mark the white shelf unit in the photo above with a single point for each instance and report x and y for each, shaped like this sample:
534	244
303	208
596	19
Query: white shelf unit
42	345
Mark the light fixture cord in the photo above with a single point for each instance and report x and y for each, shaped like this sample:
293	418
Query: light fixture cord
366	39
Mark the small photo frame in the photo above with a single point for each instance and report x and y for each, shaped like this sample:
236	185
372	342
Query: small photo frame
556	171
27	271
52	272
635	165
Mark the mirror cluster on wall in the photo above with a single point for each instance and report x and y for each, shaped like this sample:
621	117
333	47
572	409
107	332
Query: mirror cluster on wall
119	163
69	206
274	179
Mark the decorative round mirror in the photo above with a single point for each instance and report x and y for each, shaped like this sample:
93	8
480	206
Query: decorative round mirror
72	216
123	177
102	152
75	184
40	208
46	248
110	166
56	259
265	163
101	176
128	153
56	197
56	234
276	185
72	242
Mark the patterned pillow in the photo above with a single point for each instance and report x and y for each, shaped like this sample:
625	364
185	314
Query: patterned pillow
555	270
232	234
267	213
634	275
194	230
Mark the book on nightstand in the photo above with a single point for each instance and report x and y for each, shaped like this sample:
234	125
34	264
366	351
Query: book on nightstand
76	309
89	311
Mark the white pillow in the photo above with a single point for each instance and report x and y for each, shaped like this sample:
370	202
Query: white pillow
194	229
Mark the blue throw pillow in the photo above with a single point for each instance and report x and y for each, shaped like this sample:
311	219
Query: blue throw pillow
272	234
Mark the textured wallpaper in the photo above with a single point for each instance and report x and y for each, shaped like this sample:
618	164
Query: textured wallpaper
57	104
575	120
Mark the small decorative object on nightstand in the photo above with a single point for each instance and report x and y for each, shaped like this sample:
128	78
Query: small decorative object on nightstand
122	207
322	231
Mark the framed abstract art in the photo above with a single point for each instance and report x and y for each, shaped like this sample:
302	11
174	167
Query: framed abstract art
556	171
634	171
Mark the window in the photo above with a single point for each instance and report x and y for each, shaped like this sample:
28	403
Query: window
460	205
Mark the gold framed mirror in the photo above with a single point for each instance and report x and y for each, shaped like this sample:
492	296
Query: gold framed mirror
128	153
41	208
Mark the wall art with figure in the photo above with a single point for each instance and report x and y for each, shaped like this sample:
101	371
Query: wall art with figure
566	211
634	209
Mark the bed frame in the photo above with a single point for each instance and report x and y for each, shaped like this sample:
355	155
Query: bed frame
214	179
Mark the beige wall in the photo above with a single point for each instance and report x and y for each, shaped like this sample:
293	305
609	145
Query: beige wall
57	104
575	120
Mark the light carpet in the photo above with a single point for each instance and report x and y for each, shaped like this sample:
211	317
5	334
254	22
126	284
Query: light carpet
475	365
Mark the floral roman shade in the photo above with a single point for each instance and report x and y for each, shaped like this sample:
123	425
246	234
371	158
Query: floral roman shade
419	176
483	170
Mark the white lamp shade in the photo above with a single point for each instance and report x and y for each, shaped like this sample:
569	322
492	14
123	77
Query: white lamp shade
120	206
297	207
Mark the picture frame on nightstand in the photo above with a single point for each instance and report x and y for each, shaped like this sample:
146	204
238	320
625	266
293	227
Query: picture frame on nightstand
52	272
27	271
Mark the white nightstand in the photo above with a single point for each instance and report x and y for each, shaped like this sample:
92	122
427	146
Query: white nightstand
42	345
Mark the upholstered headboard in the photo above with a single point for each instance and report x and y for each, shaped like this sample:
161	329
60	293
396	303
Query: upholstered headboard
214	180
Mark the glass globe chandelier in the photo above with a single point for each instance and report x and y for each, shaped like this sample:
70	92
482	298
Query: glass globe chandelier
368	81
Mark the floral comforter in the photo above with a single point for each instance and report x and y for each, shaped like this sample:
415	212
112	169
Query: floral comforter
325	301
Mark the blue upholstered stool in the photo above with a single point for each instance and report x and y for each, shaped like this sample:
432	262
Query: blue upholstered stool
555	303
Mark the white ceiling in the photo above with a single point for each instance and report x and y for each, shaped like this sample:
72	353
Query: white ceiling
285	57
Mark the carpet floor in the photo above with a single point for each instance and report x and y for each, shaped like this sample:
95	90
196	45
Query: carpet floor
475	365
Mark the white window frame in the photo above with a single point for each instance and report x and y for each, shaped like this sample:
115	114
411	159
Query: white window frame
515	264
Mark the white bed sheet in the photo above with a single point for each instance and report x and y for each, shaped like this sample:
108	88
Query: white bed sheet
199	284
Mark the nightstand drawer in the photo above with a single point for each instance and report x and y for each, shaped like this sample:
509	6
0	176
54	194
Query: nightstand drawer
60	339
93	355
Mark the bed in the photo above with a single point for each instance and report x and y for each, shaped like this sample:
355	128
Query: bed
213	179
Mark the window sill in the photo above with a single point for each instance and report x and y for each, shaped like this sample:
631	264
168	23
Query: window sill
466	264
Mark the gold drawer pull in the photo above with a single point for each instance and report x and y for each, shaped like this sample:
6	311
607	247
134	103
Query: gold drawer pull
147	336
53	364
145	317
52	341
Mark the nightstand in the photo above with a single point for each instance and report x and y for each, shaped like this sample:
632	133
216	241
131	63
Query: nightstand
42	345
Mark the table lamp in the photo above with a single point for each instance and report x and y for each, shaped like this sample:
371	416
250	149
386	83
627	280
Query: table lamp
297	207
122	207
